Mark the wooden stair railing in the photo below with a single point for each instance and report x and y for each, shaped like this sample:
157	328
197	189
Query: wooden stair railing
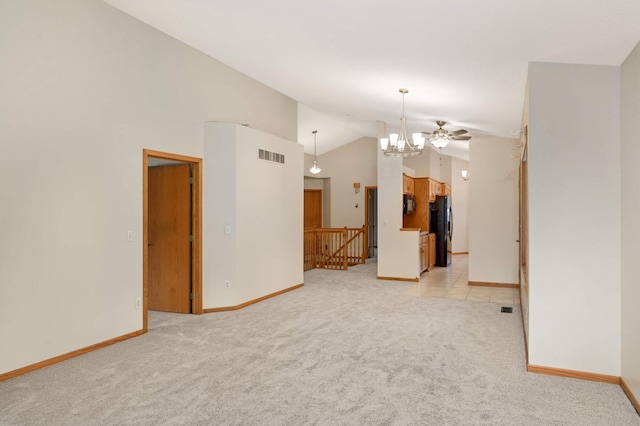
334	248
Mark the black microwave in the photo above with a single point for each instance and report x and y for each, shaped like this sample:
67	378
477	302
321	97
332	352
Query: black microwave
408	204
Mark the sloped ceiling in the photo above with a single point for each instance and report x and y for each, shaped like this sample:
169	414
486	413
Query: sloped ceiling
462	61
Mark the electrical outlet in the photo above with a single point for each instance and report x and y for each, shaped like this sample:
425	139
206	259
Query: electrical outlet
129	235
227	284
138	303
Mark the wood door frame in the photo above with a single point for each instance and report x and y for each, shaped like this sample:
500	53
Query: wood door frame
366	216
196	217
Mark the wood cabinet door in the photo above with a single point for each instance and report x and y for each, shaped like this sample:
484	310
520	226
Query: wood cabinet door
434	188
432	250
407	185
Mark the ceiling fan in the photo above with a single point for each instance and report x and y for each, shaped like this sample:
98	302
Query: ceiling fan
441	137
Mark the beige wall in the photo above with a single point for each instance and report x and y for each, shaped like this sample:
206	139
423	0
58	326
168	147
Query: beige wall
353	162
262	203
630	226
493	211
459	205
84	89
574	217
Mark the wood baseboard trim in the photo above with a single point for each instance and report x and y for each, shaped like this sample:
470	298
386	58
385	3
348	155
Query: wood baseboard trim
251	302
486	284
593	377
630	395
416	279
69	355
460	252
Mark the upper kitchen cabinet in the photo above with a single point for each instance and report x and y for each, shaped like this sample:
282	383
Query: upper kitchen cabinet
435	188
446	189
408	186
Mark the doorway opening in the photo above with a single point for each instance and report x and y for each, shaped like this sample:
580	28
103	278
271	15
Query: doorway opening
172	233
371	221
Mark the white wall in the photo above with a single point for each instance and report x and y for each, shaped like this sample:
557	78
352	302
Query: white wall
84	89
524	284
398	251
493	211
420	164
459	202
350	163
435	164
313	183
574	217
630	226
262	201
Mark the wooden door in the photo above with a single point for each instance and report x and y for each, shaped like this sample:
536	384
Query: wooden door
313	208
169	247
371	221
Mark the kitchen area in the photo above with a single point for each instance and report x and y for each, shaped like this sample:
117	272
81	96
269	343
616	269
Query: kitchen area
427	210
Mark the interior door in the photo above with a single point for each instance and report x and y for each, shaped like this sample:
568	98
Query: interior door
313	208
169	245
371	219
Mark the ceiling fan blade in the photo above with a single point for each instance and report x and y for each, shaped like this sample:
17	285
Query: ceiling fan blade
427	133
461	138
459	132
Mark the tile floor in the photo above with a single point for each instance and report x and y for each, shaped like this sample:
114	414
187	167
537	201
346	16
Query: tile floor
452	283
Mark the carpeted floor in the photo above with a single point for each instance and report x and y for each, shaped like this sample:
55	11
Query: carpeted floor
345	349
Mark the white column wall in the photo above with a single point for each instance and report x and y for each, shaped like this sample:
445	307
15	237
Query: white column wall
398	251
574	217
493	211
269	216
459	202
630	226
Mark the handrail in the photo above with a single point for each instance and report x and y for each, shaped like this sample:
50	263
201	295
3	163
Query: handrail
334	248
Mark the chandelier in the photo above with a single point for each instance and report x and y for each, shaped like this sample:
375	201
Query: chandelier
398	144
315	169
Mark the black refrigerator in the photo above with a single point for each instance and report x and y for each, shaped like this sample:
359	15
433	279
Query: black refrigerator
441	223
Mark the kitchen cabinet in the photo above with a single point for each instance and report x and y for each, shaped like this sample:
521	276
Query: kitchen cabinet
435	188
420	218
424	252
431	249
446	189
408	186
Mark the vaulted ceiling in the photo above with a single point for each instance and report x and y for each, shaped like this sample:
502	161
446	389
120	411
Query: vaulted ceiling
462	61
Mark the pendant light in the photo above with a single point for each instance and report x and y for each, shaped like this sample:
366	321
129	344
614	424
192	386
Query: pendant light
315	169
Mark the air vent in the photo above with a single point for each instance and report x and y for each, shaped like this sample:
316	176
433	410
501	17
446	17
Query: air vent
263	154
506	310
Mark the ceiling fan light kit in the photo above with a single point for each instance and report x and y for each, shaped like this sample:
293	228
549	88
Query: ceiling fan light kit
399	144
441	137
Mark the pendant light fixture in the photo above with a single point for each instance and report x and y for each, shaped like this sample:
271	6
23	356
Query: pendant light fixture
399	145
315	169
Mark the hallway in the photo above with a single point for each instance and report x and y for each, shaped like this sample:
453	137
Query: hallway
452	283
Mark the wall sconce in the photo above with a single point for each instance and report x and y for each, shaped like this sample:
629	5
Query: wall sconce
465	174
356	187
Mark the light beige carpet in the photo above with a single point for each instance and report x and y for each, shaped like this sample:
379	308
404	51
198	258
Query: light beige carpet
346	349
